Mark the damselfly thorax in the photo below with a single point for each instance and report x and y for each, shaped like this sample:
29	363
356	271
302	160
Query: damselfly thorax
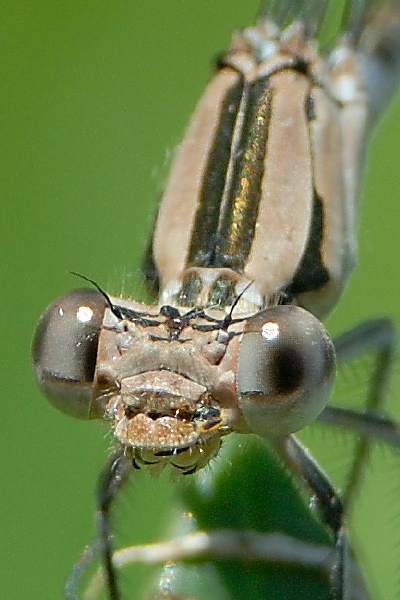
253	244
250	197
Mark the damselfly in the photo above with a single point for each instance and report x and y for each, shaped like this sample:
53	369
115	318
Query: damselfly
253	244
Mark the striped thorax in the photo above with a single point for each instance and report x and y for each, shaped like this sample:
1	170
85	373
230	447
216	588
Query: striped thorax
262	188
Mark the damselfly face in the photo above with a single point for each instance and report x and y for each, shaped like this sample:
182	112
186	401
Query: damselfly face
253	244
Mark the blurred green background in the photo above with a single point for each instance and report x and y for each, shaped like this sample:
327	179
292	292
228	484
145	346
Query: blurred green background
94	97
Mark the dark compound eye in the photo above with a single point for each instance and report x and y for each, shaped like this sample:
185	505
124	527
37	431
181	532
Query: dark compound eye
64	350
285	370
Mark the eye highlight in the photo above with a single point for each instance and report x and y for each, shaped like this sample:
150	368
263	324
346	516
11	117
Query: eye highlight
285	370
64	350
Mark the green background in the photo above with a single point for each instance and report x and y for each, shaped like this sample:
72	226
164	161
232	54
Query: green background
94	97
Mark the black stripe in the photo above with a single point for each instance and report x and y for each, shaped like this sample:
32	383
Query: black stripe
208	214
311	273
148	265
236	231
310	109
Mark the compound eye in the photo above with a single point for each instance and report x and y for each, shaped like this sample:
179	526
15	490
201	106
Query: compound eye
64	350
285	370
